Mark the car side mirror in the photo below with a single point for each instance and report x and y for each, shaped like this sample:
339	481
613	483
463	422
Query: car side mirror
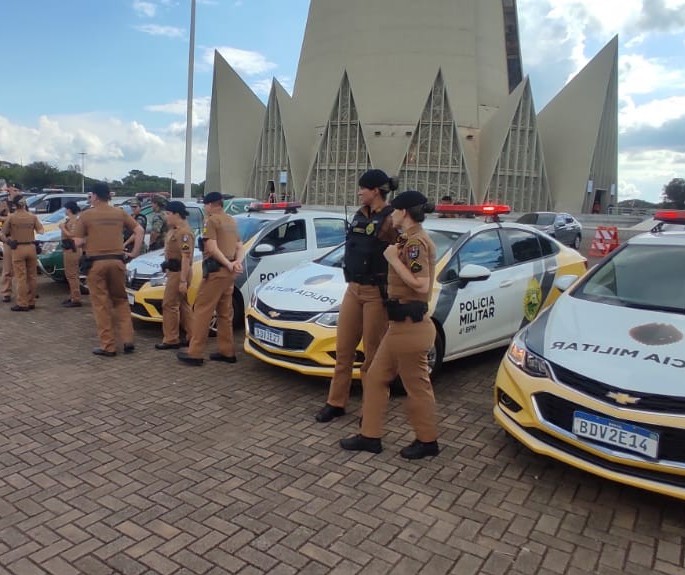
264	249
469	273
562	283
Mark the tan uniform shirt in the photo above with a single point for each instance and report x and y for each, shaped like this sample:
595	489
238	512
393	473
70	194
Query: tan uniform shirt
222	228
21	226
417	253
103	229
70	224
179	241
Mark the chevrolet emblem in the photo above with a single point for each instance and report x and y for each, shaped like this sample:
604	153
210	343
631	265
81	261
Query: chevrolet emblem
623	398
274	314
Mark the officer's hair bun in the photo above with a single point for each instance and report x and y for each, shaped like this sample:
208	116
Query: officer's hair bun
393	183
428	208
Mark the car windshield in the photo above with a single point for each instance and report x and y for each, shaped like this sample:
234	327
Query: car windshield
249	226
443	241
536	219
639	276
33	200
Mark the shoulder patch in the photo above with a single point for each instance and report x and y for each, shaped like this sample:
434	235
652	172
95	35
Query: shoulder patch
413	251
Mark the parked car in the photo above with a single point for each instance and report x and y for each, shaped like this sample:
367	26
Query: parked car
276	238
491	278
562	226
597	380
49	203
236	206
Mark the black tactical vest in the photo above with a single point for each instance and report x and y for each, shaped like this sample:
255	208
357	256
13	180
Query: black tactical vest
364	262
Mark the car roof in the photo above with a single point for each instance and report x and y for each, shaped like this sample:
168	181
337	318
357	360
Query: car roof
667	238
278	214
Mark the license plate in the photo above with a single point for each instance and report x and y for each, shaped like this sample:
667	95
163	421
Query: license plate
616	433
268	335
131	298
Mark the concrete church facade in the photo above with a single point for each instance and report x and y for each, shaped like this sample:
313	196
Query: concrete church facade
430	91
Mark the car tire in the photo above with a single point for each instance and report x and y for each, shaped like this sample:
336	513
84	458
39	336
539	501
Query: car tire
576	242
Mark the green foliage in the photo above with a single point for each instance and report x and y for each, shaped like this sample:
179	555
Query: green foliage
674	194
44	175
641	204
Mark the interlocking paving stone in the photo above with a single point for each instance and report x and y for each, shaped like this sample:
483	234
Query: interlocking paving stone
137	465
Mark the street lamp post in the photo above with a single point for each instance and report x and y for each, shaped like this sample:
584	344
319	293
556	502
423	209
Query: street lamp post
187	187
171	185
83	171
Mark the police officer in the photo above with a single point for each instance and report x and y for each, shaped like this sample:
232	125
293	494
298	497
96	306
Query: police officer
6	209
158	225
72	254
178	264
362	313
129	238
410	335
101	230
223	254
19	233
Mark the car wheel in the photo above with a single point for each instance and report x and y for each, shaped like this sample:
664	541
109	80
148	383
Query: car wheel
576	242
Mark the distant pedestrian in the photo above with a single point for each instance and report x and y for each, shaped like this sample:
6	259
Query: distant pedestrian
7	277
71	254
129	238
19	233
158	225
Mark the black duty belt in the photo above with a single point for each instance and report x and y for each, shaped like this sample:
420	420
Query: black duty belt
400	311
26	243
98	258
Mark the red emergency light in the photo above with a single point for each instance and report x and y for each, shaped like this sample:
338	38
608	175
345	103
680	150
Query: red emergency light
266	206
476	210
670	216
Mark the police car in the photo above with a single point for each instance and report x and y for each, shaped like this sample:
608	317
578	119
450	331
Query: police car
598	380
276	236
491	278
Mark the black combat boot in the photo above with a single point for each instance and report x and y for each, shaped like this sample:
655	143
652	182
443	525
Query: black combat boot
361	443
329	412
420	449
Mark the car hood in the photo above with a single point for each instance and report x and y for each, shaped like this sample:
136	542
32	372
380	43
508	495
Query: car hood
51	236
631	349
308	287
147	264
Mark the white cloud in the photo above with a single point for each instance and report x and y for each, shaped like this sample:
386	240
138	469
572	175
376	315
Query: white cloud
643	174
156	30
244	62
654	113
144	9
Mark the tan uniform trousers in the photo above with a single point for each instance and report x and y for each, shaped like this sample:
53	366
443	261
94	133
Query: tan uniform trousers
7	275
176	311
107	285
24	262
404	352
363	317
215	293
71	272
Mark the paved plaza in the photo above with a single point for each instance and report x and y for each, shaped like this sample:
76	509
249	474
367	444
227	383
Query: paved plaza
138	464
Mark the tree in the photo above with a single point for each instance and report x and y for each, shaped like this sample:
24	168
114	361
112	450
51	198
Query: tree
674	193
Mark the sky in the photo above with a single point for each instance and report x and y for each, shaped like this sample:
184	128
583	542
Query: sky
109	77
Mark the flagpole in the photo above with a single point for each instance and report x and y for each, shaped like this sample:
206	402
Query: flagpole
187	187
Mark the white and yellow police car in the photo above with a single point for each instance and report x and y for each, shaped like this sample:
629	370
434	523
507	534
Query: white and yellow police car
598	380
277	236
491	279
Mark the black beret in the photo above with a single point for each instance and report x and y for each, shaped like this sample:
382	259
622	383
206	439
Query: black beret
101	190
73	206
408	199
213	197
177	207
373	179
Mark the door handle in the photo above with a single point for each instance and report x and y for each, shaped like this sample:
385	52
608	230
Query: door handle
506	283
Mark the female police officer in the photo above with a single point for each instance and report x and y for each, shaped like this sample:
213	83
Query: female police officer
410	335
362	313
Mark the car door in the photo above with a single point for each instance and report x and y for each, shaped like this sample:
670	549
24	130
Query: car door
480	314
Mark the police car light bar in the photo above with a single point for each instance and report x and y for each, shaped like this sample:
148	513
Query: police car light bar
476	210
266	206
670	216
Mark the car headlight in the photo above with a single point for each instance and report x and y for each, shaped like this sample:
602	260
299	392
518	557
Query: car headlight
254	298
49	247
526	360
158	281
328	319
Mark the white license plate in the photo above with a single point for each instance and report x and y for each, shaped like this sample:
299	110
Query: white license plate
268	335
616	433
131	298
